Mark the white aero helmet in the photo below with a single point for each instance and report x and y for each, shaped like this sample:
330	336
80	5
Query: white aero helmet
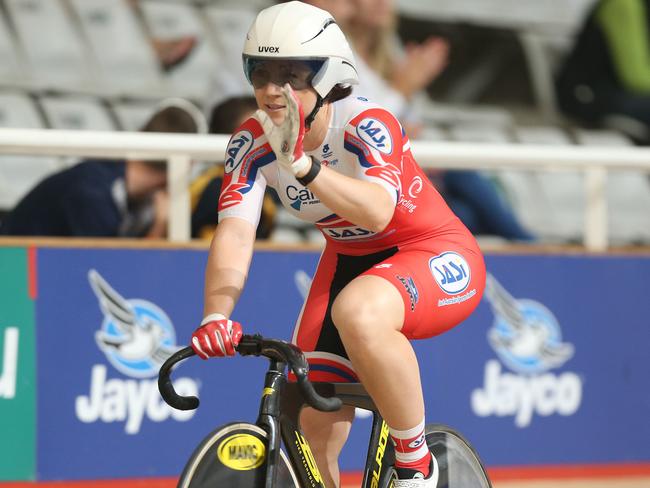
296	30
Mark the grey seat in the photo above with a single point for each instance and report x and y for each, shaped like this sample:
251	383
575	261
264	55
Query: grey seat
76	113
131	116
18	174
228	27
11	64
550	203
628	193
126	59
54	50
168	21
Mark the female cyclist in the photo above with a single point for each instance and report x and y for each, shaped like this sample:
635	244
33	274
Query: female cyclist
398	264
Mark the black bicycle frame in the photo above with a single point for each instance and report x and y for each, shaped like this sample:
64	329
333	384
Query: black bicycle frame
280	409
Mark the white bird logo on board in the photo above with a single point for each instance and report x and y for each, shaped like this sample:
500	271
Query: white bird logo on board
136	335
525	334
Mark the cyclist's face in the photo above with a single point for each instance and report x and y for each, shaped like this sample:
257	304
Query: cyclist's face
269	76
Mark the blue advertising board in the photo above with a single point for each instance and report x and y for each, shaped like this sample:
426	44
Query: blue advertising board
551	368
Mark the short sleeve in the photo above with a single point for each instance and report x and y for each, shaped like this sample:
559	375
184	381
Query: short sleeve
375	137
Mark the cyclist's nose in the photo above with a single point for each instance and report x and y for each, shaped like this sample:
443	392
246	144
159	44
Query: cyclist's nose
272	88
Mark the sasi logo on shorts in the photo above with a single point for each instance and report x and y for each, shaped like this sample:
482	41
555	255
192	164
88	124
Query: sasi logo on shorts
527	338
136	336
453	275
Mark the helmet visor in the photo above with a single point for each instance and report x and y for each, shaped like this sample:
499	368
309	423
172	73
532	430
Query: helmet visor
299	73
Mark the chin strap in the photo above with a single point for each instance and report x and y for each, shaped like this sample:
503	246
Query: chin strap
310	118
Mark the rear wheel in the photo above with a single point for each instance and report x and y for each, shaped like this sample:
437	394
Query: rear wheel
234	456
458	462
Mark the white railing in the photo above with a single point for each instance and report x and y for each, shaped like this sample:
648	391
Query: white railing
179	150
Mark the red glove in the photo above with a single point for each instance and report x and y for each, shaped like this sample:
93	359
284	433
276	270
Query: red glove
216	337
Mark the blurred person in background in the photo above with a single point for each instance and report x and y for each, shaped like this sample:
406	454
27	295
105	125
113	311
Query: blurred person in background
396	77
170	52
389	72
343	164
102	198
205	189
605	79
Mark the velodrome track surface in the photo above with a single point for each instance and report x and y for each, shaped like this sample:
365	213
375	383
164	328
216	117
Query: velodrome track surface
638	477
634	482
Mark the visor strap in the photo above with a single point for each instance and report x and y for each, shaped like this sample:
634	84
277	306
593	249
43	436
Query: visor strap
310	118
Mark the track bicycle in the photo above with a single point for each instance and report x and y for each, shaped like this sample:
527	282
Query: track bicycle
247	455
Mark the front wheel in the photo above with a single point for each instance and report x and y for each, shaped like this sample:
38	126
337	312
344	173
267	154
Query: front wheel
458	463
234	456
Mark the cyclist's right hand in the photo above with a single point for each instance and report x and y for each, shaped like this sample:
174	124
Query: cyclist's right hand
216	337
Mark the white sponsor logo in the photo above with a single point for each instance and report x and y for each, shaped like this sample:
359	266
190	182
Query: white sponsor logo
129	401
407	204
443	302
9	363
507	394
527	339
415	187
137	337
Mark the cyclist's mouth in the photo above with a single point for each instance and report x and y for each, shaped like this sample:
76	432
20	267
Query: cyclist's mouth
274	107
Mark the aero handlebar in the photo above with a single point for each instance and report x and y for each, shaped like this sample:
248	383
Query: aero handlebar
250	345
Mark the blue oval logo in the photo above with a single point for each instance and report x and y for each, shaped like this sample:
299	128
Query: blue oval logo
374	133
451	271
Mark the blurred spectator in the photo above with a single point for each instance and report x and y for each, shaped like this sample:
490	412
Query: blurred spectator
205	189
395	78
605	80
391	73
100	198
170	52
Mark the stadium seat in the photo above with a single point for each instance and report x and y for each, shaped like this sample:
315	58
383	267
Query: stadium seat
11	68
228	26
170	21
76	113
479	132
126	58
550	203
52	45
449	114
19	173
628	193
131	116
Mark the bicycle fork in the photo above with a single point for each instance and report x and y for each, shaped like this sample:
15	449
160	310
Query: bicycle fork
269	418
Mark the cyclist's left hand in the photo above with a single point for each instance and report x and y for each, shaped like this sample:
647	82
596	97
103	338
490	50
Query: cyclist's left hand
286	138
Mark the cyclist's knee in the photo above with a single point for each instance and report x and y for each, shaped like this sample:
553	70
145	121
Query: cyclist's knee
365	306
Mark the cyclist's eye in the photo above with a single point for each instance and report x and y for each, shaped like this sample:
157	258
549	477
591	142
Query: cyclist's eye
260	77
